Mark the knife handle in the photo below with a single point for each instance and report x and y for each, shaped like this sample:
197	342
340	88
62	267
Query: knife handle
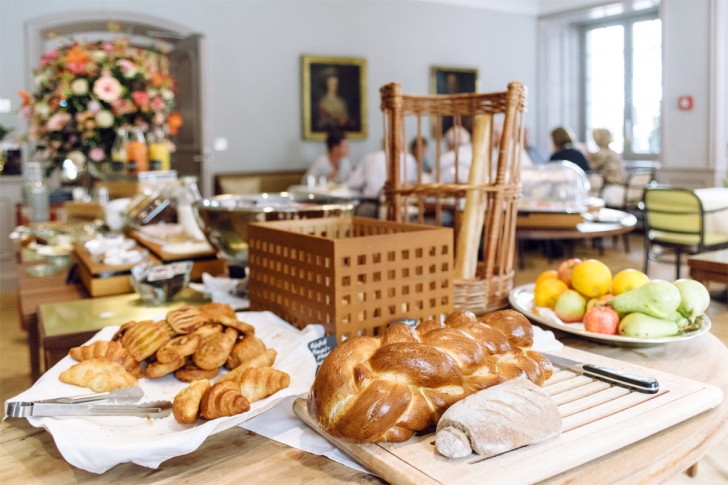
635	382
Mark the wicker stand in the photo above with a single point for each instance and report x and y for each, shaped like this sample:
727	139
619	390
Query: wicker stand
441	203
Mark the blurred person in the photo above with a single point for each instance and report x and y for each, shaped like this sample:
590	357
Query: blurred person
537	155
456	138
605	160
564	148
423	160
334	164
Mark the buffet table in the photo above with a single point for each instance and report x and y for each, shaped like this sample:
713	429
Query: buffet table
28	454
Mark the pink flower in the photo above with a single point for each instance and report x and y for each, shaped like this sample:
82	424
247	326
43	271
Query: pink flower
126	65
140	97
58	121
97	154
107	47
107	89
157	103
122	107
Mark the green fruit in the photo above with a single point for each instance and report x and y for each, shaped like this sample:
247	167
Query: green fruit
679	319
645	326
657	298
694	298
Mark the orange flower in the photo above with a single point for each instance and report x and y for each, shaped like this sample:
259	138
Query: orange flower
25	95
76	60
157	79
175	122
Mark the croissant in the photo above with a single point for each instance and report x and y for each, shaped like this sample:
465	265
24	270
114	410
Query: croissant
215	350
186	405
223	399
384	389
99	375
258	383
113	351
265	359
158	369
190	372
215	310
245	349
144	338
186	319
179	347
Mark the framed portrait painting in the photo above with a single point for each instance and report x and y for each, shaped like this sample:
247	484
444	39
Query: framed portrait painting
453	80
333	96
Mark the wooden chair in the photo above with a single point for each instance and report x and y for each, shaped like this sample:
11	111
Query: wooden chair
675	219
442	200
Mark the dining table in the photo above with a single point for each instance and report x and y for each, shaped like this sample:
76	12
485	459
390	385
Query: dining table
28	454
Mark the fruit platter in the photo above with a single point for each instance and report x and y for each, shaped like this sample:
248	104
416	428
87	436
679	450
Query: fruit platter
627	309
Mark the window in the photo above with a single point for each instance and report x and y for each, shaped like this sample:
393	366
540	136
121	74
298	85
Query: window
623	84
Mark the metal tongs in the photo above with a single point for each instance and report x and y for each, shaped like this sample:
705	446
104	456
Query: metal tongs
120	402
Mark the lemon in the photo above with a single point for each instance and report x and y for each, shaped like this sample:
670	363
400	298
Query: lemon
592	278
627	280
551	274
548	291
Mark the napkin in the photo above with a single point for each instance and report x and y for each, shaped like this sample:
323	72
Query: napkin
282	425
224	290
99	443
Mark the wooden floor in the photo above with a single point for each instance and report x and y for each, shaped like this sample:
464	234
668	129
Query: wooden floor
712	470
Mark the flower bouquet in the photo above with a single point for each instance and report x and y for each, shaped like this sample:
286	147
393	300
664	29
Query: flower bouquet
85	92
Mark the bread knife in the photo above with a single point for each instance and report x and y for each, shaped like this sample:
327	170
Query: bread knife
635	382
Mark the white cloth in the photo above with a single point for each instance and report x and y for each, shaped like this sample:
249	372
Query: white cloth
222	289
447	165
714	198
322	166
369	176
87	442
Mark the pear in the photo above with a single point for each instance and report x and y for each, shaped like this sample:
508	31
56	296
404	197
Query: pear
694	298
645	326
657	298
678	318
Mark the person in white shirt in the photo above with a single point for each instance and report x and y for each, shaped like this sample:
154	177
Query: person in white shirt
458	138
335	164
370	174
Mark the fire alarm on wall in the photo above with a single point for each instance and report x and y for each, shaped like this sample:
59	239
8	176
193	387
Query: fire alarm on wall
685	103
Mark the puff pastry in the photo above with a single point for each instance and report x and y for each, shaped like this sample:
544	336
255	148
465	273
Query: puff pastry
144	338
215	350
245	349
209	329
265	359
190	372
158	369
186	319
257	383
242	327
186	405
99	375
223	399
215	310
179	347
113	351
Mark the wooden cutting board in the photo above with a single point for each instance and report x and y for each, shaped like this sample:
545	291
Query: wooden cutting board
597	419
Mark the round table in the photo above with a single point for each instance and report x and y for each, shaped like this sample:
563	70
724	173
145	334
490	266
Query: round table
29	454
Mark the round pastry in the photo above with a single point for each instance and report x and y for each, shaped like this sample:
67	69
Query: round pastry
186	319
216	310
144	338
190	372
179	347
209	329
161	369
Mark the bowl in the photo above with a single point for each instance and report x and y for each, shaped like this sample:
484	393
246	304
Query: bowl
225	218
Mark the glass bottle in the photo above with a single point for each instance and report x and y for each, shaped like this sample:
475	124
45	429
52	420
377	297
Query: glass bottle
36	194
186	217
118	151
158	151
136	153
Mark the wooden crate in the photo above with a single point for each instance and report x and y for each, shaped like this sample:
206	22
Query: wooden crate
102	279
353	275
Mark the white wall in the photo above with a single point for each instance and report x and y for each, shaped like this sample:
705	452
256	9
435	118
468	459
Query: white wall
254	50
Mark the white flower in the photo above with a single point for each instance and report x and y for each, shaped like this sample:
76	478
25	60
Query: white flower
42	109
94	106
104	119
79	87
152	92
39	80
97	55
167	94
78	158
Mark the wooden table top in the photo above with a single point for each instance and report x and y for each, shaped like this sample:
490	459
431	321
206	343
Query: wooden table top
28	454
711	261
623	222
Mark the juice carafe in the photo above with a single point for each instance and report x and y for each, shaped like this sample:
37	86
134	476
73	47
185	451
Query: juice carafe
118	151
136	153
158	152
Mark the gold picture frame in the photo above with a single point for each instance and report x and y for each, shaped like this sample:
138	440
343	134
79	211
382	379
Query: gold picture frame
333	96
453	80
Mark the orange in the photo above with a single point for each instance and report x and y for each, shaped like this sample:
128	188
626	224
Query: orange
548	291
627	280
592	278
547	275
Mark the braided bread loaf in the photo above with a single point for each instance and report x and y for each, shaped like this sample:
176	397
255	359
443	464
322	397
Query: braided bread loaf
384	389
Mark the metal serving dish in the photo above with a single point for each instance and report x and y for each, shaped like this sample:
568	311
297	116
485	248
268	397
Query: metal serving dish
225	218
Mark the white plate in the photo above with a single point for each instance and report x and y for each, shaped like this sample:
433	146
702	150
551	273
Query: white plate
521	299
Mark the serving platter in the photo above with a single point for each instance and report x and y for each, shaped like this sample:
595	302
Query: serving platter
597	419
521	299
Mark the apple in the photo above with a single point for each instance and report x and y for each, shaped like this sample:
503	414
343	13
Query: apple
566	269
599	301
570	306
601	319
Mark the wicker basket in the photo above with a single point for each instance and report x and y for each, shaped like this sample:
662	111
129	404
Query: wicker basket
430	201
353	275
